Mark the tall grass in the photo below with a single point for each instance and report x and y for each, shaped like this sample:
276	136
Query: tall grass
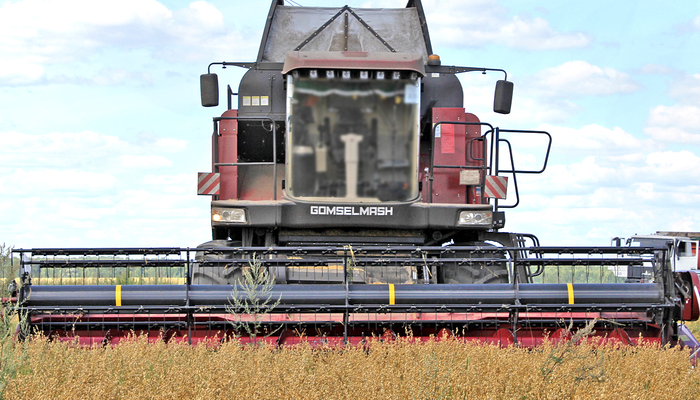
8	269
399	370
13	354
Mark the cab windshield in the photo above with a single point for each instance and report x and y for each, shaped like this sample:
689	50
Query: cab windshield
353	139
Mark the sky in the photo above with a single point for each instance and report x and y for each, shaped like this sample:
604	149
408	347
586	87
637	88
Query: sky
102	132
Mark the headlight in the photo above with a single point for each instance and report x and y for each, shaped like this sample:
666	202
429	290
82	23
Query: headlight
236	215
475	218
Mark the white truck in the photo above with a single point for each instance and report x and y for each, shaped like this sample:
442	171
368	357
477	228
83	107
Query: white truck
684	249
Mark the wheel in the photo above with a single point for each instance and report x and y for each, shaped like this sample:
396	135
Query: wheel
486	272
215	272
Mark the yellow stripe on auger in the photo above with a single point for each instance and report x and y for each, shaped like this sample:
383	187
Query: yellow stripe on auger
392	296
118	295
571	293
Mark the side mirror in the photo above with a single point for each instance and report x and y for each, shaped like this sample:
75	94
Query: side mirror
503	97
209	88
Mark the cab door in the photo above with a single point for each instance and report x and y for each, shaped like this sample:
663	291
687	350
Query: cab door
686	255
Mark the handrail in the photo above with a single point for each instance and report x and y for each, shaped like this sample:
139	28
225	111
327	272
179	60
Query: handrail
495	153
546	157
432	165
230	94
515	179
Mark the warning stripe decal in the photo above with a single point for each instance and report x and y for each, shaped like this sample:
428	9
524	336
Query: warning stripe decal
208	183
496	187
570	287
392	294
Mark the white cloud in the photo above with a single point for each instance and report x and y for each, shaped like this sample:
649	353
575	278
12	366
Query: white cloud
598	225
182	184
45	182
591	201
113	77
595	138
199	34
576	78
20	73
696	23
37	33
148	161
673	163
536	34
68	29
382	3
484	22
169	145
526	111
647	180
80	210
29	17
678	123
656	69
127	218
105	77
686	90
65	150
90	151
57	186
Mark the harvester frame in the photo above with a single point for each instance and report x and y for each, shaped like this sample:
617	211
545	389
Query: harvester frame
328	174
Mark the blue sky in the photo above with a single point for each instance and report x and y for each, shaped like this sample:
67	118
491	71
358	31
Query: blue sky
102	134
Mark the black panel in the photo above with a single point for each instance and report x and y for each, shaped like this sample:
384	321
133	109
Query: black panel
255	141
443	90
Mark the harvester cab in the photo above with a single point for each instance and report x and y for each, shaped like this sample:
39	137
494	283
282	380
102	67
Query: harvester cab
350	131
354	197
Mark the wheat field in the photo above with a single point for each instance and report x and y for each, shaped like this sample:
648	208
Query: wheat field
398	370
136	369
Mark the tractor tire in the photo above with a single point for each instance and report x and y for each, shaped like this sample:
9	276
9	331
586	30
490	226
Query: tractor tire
213	273
494	272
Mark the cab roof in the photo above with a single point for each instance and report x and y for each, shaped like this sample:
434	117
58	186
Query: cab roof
354	60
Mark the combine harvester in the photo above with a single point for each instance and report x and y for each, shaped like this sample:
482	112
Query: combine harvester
351	175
